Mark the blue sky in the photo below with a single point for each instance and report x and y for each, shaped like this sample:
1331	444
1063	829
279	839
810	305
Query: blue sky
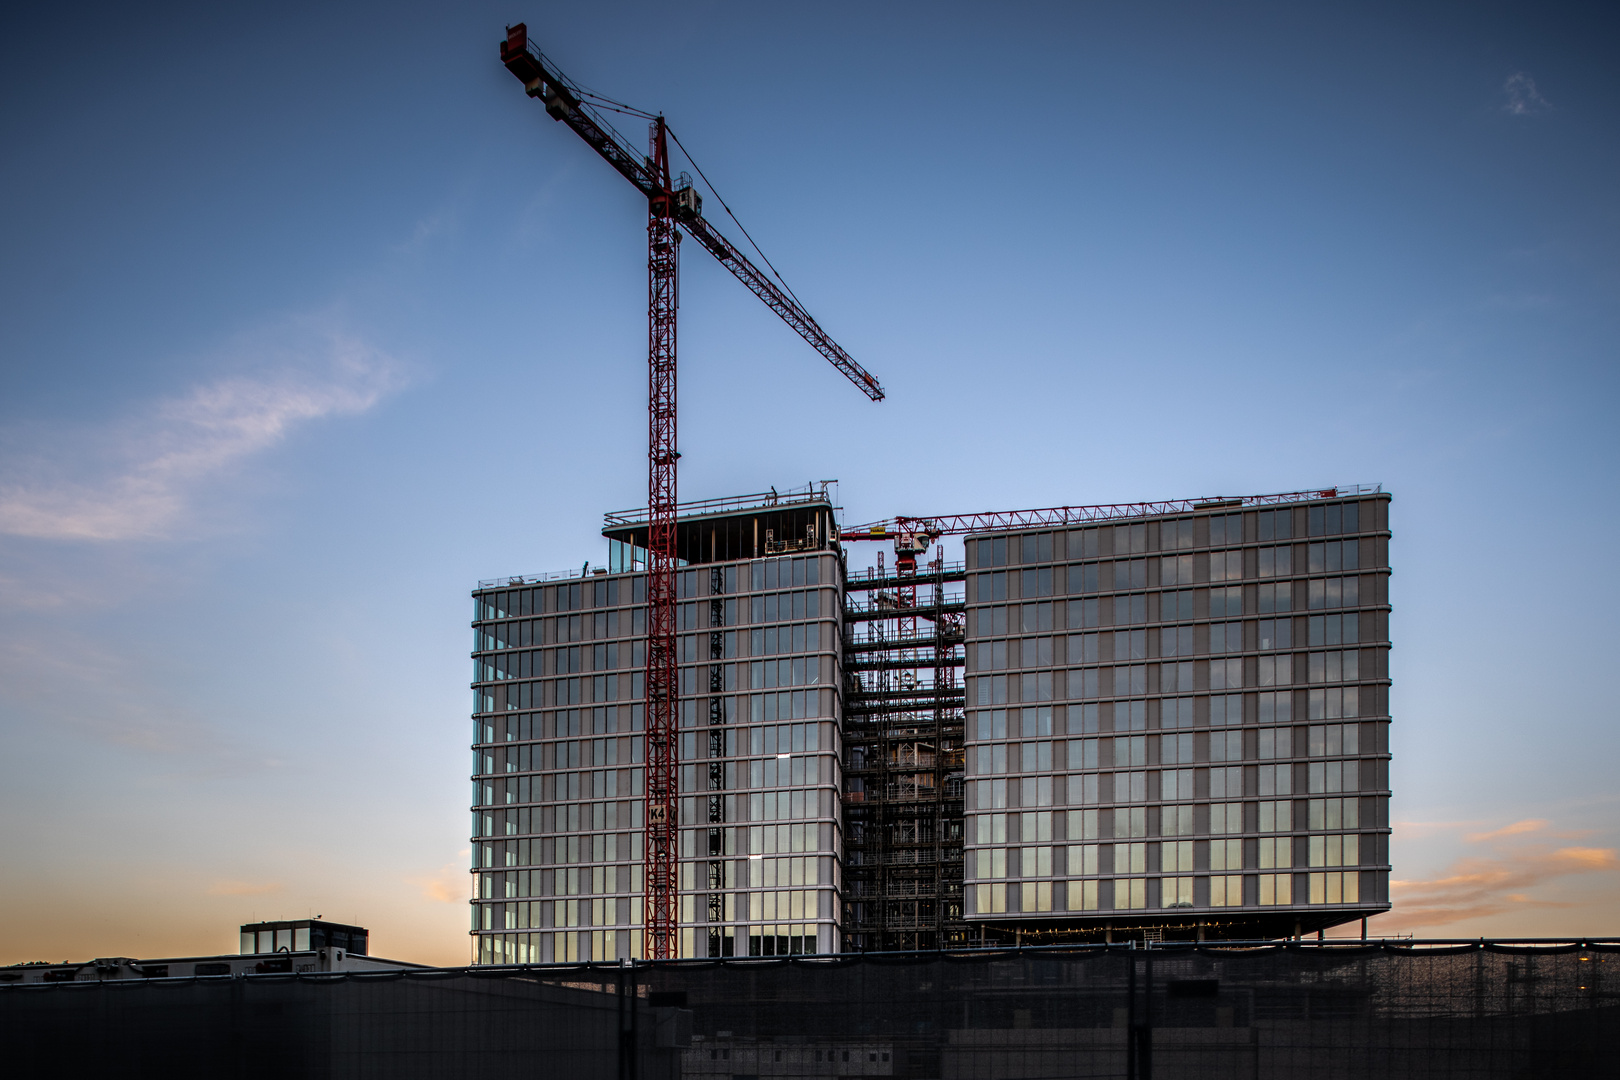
311	319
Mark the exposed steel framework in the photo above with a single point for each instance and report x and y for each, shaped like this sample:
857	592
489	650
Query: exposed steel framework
1058	516
659	852
670	206
903	739
904	733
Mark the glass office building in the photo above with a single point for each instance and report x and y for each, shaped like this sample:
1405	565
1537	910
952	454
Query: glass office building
1175	724
1181	722
559	743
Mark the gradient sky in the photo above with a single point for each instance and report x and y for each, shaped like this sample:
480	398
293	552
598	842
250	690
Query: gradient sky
309	319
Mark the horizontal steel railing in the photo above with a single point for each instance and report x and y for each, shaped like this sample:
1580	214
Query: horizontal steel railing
759	500
516	580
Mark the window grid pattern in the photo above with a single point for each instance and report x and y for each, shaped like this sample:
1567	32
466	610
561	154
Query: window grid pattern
1174	680
557	765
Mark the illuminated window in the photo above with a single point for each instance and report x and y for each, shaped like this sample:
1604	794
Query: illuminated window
1276	889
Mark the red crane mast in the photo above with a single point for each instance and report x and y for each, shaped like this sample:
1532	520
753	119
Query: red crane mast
670	208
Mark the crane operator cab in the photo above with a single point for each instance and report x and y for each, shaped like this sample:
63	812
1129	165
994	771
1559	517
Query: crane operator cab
688	203
908	544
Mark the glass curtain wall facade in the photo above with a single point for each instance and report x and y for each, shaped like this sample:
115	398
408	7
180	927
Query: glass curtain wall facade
559	739
558	742
1180	722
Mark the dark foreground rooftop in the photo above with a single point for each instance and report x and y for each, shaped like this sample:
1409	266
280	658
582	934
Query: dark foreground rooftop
1436	1009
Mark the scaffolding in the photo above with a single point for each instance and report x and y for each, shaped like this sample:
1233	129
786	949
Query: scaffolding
903	756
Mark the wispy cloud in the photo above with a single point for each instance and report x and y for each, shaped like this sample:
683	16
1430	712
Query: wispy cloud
1522	872
139	481
122	700
448	885
427	229
1523	99
1518	828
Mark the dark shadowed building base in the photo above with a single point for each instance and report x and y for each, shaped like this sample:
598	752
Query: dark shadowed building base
1354	1010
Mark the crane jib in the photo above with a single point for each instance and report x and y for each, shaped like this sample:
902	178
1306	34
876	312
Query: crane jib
784	305
564	105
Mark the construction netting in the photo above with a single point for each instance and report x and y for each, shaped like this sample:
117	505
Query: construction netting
1282	1010
1271	1011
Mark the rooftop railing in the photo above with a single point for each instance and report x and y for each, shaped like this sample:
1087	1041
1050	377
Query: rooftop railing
518	580
814	492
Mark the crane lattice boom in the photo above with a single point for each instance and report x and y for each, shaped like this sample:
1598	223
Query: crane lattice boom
549	85
670	208
1063	516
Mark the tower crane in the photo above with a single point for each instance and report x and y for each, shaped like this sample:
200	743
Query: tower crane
912	535
672	207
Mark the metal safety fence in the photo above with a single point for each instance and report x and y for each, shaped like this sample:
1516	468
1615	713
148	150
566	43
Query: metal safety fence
1134	1012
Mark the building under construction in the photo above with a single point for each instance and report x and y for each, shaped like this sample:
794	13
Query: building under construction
1163	720
904	650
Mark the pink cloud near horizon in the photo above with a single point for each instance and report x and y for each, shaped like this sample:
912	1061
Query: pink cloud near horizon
1522	871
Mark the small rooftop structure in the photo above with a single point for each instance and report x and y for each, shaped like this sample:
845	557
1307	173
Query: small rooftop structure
268	948
303	935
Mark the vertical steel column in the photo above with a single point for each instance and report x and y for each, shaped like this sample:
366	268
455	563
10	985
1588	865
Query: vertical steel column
908	820
659	853
943	679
